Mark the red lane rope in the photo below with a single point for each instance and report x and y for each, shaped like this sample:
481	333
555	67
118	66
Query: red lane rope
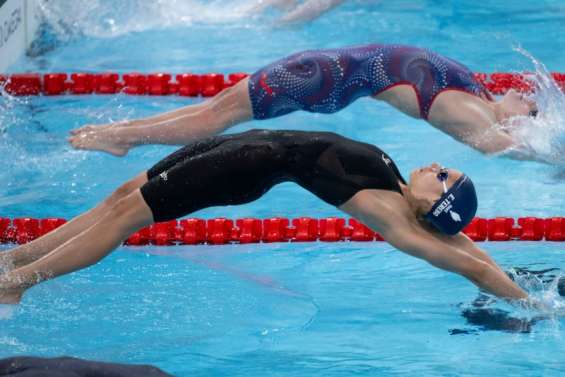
188	84
158	84
218	231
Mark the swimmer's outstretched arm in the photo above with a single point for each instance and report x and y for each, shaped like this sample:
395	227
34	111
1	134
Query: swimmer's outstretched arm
471	263
390	215
469	124
179	127
499	143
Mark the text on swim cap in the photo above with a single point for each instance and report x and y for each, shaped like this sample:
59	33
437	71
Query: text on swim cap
445	205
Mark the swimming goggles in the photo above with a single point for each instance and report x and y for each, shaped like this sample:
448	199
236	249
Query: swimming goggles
442	176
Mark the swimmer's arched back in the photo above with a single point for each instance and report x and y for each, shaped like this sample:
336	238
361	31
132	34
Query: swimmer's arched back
416	81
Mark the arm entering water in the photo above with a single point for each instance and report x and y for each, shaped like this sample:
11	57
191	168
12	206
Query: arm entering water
484	273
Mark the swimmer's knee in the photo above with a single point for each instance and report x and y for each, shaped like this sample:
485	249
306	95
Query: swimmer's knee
123	191
238	90
228	94
231	106
120	208
131	211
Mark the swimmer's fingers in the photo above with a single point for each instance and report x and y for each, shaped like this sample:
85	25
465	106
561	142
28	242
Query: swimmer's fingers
532	303
548	307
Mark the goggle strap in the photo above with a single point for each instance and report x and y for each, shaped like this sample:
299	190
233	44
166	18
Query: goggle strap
444	186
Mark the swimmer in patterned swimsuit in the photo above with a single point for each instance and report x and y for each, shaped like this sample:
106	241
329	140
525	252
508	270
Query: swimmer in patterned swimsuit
416	81
422	218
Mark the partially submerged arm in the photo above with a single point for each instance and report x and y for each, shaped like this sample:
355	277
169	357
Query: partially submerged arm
466	119
389	214
472	263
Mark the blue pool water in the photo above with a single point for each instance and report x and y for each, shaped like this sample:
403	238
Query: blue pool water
283	309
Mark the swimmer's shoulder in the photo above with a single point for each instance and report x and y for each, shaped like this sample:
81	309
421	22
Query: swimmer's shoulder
462	109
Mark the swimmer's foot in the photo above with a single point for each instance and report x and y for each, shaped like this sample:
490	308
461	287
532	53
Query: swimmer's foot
82	129
100	140
10	295
6	263
98	127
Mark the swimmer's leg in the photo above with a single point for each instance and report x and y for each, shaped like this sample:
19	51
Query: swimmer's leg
124	218
186	110
36	249
230	107
32	251
90	237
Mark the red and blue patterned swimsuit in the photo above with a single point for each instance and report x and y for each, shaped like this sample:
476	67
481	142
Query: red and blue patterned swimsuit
326	81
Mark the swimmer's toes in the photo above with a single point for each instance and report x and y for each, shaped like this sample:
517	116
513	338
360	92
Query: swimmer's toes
82	129
81	144
75	142
10	296
77	131
93	144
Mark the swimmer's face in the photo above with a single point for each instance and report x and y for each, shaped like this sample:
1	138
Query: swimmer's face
425	186
517	104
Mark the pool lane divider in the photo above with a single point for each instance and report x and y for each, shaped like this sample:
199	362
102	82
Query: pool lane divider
188	84
156	84
219	231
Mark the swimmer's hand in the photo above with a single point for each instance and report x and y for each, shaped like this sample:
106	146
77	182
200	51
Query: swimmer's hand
550	308
532	303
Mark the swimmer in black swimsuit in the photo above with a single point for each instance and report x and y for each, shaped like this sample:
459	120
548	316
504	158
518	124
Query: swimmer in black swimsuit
422	218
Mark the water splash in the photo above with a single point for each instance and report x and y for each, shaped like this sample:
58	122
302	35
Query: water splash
16	118
108	18
6	313
9	105
542	137
547	289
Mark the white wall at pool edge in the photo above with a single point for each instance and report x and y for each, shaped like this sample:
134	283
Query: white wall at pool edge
19	20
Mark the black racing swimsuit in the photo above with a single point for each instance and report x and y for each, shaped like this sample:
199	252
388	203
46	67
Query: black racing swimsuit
240	168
